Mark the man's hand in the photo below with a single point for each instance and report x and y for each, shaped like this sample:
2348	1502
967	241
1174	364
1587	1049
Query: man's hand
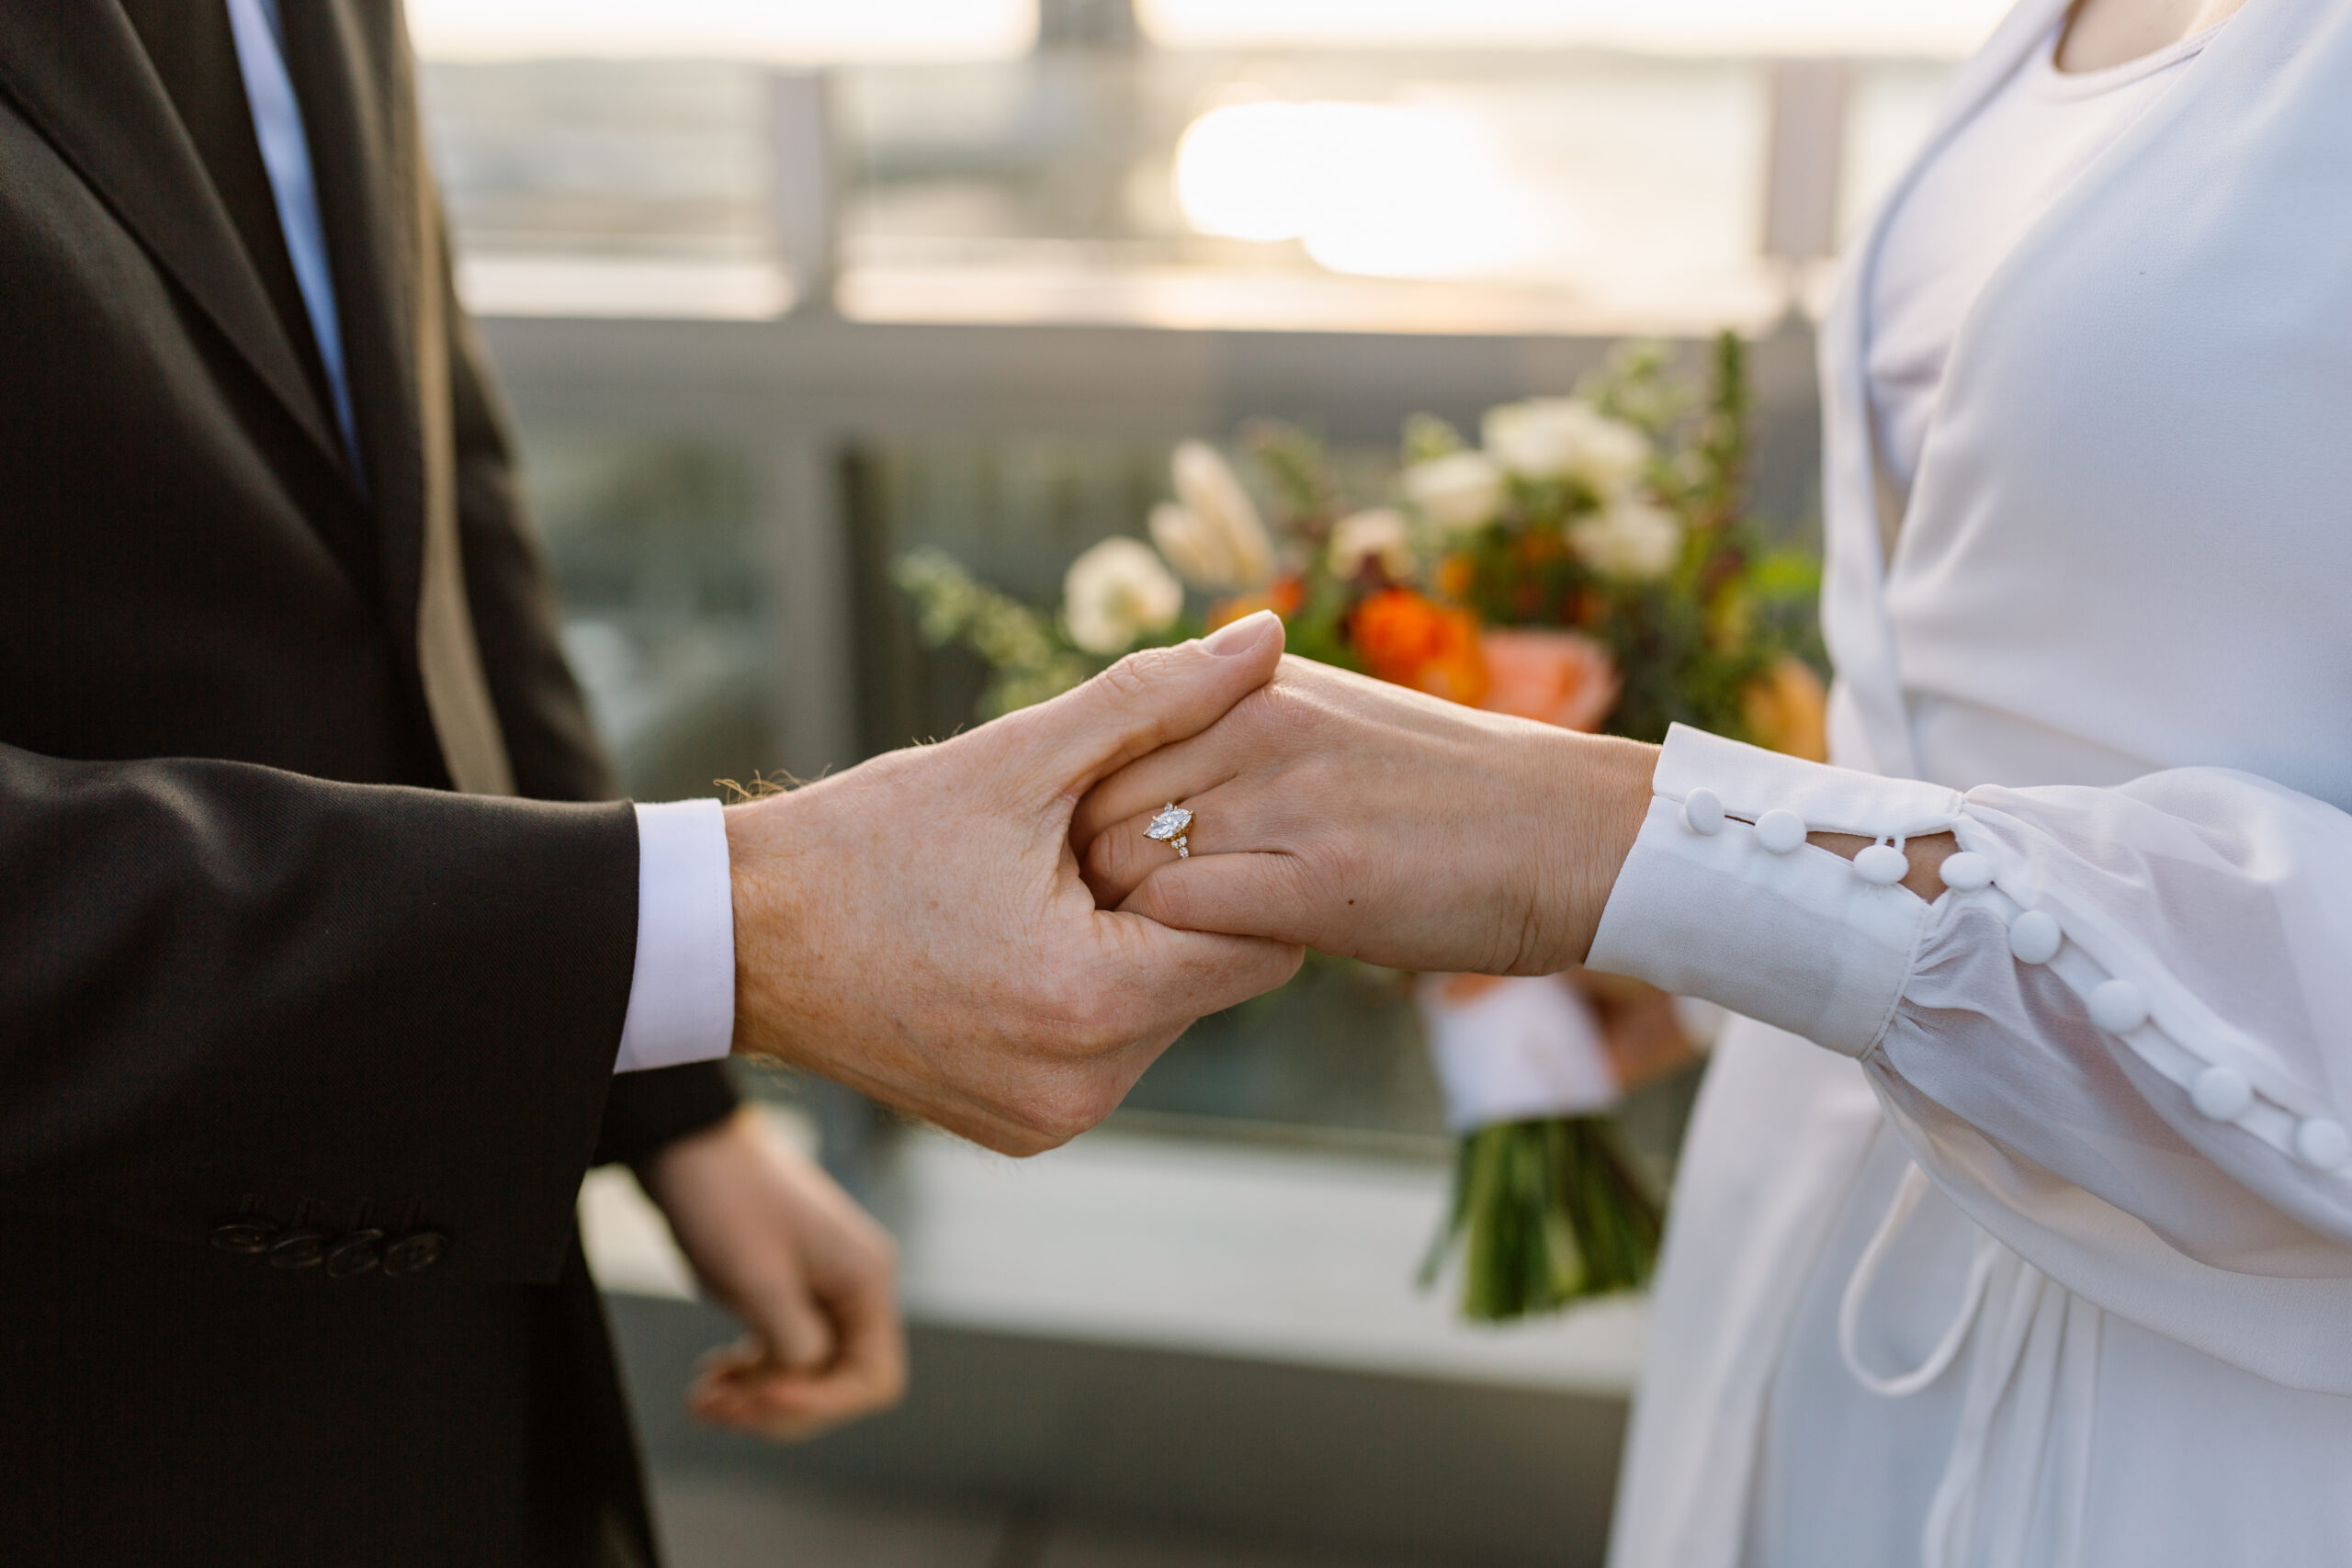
917	929
1373	822
814	1280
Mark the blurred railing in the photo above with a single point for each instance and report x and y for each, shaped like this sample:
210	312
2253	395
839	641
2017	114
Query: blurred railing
1547	191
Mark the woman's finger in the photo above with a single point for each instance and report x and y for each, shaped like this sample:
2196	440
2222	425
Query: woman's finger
1241	895
1158	980
1175	774
1119	856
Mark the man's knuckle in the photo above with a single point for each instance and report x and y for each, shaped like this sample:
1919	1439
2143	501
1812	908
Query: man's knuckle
1131	676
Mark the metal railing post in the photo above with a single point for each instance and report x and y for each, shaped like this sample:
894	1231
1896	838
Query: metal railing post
1804	159
804	183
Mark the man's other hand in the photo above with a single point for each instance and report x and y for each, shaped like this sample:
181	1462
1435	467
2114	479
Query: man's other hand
917	928
814	1280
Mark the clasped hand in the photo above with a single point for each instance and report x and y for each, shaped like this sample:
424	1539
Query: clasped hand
980	934
918	927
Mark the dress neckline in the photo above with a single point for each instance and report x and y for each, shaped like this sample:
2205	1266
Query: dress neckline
2047	78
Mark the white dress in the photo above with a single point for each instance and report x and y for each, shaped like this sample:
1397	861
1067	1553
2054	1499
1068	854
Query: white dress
2017	1229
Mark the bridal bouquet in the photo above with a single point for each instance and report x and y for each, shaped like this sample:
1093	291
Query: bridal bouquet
1588	563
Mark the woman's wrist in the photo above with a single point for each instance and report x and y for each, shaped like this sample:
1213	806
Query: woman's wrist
1592	793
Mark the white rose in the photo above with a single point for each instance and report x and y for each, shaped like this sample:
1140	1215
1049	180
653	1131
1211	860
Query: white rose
1560	438
1631	539
1225	546
1379	535
1114	593
1192	546
1460	491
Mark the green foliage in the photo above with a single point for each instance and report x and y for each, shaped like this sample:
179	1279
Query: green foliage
1428	437
1307	493
1028	658
1546	1213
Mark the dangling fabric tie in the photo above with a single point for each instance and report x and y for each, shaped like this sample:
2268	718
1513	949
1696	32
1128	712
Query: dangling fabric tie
1902	1385
2034	1374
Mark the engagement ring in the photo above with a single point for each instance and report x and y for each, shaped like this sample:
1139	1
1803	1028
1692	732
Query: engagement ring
1169	828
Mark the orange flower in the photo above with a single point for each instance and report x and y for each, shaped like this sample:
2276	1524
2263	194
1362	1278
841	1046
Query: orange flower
1409	640
1453	577
1282	596
1555	677
1787	710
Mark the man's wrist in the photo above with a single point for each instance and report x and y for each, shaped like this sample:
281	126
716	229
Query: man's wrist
770	919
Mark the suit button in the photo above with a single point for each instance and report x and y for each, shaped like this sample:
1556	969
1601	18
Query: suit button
354	1253
249	1238
298	1249
415	1253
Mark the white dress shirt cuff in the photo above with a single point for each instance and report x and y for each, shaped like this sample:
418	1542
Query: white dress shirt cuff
1717	902
681	993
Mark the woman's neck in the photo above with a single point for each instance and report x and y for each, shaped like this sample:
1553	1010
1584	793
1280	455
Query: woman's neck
2101	33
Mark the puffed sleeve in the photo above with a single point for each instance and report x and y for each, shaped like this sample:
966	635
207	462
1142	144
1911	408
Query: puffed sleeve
2118	1038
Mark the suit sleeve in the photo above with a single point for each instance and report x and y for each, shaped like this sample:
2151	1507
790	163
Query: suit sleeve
548	736
220	982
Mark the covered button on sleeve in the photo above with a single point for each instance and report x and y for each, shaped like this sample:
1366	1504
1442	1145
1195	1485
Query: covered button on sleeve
1794	939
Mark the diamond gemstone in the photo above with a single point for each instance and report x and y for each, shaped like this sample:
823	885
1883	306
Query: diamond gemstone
1169	823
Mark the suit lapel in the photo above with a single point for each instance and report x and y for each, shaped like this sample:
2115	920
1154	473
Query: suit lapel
77	71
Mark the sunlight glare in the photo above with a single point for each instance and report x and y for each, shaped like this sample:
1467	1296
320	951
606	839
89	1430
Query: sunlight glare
1377	190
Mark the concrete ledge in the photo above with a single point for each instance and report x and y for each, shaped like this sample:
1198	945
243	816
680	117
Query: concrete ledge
1303	1257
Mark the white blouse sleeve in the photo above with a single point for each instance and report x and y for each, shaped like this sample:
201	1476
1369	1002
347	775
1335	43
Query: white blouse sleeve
2121	1038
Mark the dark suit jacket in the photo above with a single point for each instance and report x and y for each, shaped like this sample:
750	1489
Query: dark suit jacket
301	1054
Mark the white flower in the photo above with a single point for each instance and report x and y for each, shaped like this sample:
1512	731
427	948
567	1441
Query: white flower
1114	593
1189	545
1460	491
1562	438
1631	539
1380	534
1214	538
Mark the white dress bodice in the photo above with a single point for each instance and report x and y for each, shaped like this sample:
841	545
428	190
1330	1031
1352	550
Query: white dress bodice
2119	572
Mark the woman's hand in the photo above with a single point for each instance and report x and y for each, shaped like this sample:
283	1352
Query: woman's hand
814	1280
1373	822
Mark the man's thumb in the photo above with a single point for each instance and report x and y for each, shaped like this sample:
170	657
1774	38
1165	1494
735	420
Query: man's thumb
1152	699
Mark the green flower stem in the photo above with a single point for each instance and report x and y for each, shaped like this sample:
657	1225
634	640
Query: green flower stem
1546	1214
